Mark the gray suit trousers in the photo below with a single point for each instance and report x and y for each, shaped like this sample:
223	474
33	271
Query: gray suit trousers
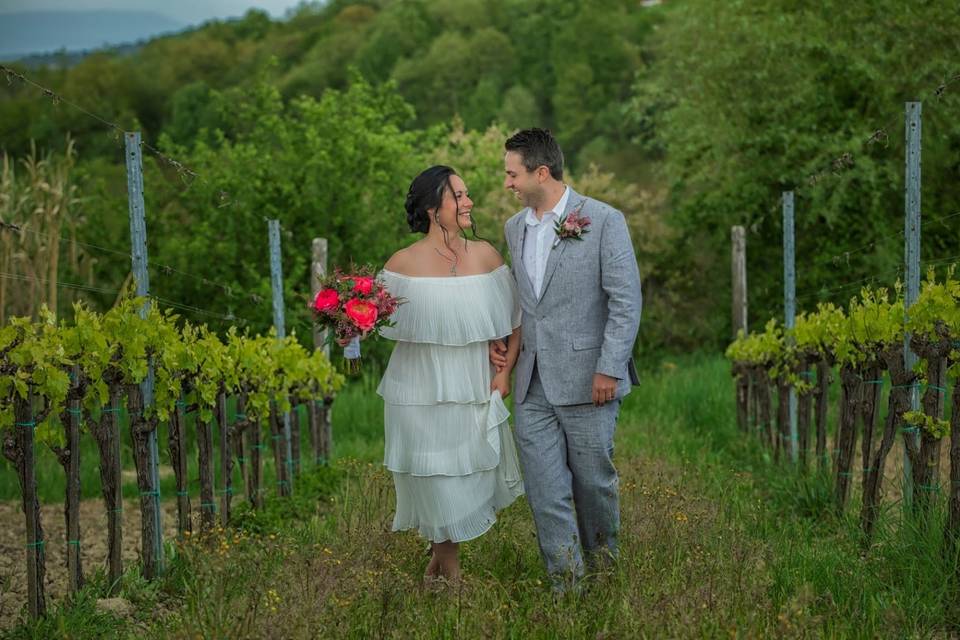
571	483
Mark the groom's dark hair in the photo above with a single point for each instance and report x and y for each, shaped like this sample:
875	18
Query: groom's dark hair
538	148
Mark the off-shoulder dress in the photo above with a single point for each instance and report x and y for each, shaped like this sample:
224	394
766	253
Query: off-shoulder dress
447	437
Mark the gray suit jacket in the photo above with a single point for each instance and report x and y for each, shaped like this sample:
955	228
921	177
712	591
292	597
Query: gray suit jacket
588	313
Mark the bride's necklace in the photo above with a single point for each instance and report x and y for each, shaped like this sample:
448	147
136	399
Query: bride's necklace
452	261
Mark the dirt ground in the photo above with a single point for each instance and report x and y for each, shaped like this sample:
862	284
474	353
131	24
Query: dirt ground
93	548
892	487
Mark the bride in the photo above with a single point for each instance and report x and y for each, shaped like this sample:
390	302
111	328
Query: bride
447	439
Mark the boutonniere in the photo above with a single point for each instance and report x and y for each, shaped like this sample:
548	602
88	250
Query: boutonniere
571	226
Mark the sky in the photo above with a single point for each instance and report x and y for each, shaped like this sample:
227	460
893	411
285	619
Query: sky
45	26
186	11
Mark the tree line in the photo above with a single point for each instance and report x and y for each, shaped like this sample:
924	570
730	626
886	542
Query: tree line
692	116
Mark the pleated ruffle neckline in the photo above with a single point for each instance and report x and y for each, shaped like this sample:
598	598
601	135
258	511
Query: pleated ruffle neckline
453	311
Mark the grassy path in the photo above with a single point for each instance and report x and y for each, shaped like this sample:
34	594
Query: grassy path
715	543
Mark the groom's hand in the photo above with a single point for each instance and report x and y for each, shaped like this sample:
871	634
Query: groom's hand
604	389
498	354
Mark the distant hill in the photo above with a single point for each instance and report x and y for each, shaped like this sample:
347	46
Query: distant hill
64	59
37	34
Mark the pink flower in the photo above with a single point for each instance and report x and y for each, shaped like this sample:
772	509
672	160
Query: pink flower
362	285
326	301
362	313
572	226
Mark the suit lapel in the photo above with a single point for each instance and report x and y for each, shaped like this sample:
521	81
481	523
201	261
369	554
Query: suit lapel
523	278
573	201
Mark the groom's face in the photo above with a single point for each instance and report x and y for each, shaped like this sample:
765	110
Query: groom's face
524	184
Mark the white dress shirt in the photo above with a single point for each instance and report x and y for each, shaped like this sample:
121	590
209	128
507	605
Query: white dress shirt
538	240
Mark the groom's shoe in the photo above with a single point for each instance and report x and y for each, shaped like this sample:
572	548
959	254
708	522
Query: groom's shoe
564	585
601	561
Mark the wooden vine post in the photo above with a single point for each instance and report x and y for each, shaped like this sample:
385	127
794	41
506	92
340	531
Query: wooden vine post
822	401
177	446
850	384
20	450
36	389
952	533
872	379
237	433
141	426
69	458
226	457
106	431
804	409
295	435
208	505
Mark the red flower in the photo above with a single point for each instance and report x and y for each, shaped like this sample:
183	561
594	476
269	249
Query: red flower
363	314
326	301
362	285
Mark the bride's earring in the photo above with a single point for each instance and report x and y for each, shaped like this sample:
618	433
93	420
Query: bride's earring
436	217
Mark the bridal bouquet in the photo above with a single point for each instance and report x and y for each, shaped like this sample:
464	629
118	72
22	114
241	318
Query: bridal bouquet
351	307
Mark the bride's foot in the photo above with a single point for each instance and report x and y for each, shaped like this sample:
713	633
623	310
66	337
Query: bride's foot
454	579
444	565
432	571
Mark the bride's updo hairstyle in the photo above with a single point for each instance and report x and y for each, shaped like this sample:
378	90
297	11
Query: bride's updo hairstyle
426	192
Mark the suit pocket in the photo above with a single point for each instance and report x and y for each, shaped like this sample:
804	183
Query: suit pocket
583	343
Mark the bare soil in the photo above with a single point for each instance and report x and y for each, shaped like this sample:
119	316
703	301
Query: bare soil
93	549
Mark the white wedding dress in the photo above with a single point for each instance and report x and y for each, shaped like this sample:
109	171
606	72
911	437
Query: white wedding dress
447	437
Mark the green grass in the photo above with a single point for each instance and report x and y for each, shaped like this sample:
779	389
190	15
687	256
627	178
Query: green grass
902	587
716	541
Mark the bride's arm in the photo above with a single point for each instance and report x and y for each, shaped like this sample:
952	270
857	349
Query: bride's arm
501	380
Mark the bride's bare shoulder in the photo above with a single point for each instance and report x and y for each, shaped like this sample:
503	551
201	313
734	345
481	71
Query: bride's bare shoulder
399	261
405	260
488	254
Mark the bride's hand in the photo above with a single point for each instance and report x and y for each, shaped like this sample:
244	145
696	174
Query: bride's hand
498	354
501	383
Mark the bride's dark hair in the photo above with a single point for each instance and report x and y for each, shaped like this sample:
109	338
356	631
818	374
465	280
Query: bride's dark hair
426	192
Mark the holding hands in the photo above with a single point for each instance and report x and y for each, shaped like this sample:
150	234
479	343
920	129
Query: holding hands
503	358
498	354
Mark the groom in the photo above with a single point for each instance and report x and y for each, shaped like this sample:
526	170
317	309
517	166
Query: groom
580	295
